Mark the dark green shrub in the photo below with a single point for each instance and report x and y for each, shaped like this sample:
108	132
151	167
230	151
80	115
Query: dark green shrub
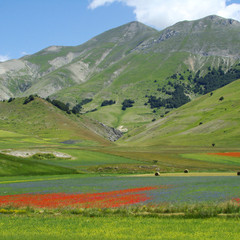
10	99
77	108
127	103
29	99
60	105
107	102
221	98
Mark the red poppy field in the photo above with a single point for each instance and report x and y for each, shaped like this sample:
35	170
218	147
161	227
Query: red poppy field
229	154
236	200
85	200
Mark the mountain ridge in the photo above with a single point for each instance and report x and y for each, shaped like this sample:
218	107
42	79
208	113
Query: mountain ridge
128	62
32	67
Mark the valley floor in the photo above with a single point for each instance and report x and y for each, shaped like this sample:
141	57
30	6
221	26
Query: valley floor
43	194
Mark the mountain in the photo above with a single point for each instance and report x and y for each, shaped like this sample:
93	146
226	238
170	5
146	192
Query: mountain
58	67
211	120
194	46
132	62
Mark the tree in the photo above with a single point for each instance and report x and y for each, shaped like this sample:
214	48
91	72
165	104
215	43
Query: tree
107	102
127	103
10	99
60	105
77	108
29	99
221	98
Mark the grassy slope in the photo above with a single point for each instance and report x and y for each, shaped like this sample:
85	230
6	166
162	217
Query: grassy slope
41	120
15	166
182	127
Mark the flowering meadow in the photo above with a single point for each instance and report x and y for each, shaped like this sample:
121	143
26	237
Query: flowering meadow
85	200
111	191
115	207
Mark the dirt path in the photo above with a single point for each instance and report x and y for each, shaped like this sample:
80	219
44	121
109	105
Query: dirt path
29	153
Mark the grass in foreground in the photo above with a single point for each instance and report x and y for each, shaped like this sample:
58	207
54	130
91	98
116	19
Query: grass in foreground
116	227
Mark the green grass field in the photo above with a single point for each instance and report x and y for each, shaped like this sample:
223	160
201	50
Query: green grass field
12	166
115	227
234	161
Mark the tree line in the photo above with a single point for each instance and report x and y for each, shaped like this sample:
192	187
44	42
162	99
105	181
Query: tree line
177	99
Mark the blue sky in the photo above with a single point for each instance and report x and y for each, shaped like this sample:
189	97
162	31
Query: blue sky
28	26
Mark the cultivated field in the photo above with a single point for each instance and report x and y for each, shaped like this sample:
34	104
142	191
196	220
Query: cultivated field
90	206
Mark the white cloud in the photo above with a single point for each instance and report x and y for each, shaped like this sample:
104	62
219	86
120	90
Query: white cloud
24	53
231	11
97	3
4	58
163	13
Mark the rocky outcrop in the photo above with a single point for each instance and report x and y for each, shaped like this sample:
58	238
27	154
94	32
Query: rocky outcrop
111	133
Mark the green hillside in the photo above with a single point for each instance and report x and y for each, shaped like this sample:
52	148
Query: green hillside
43	122
209	121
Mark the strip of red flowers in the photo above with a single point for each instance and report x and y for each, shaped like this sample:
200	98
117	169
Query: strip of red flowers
228	154
85	200
236	200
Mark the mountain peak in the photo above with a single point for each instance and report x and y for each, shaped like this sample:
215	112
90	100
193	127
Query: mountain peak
219	20
137	25
212	20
